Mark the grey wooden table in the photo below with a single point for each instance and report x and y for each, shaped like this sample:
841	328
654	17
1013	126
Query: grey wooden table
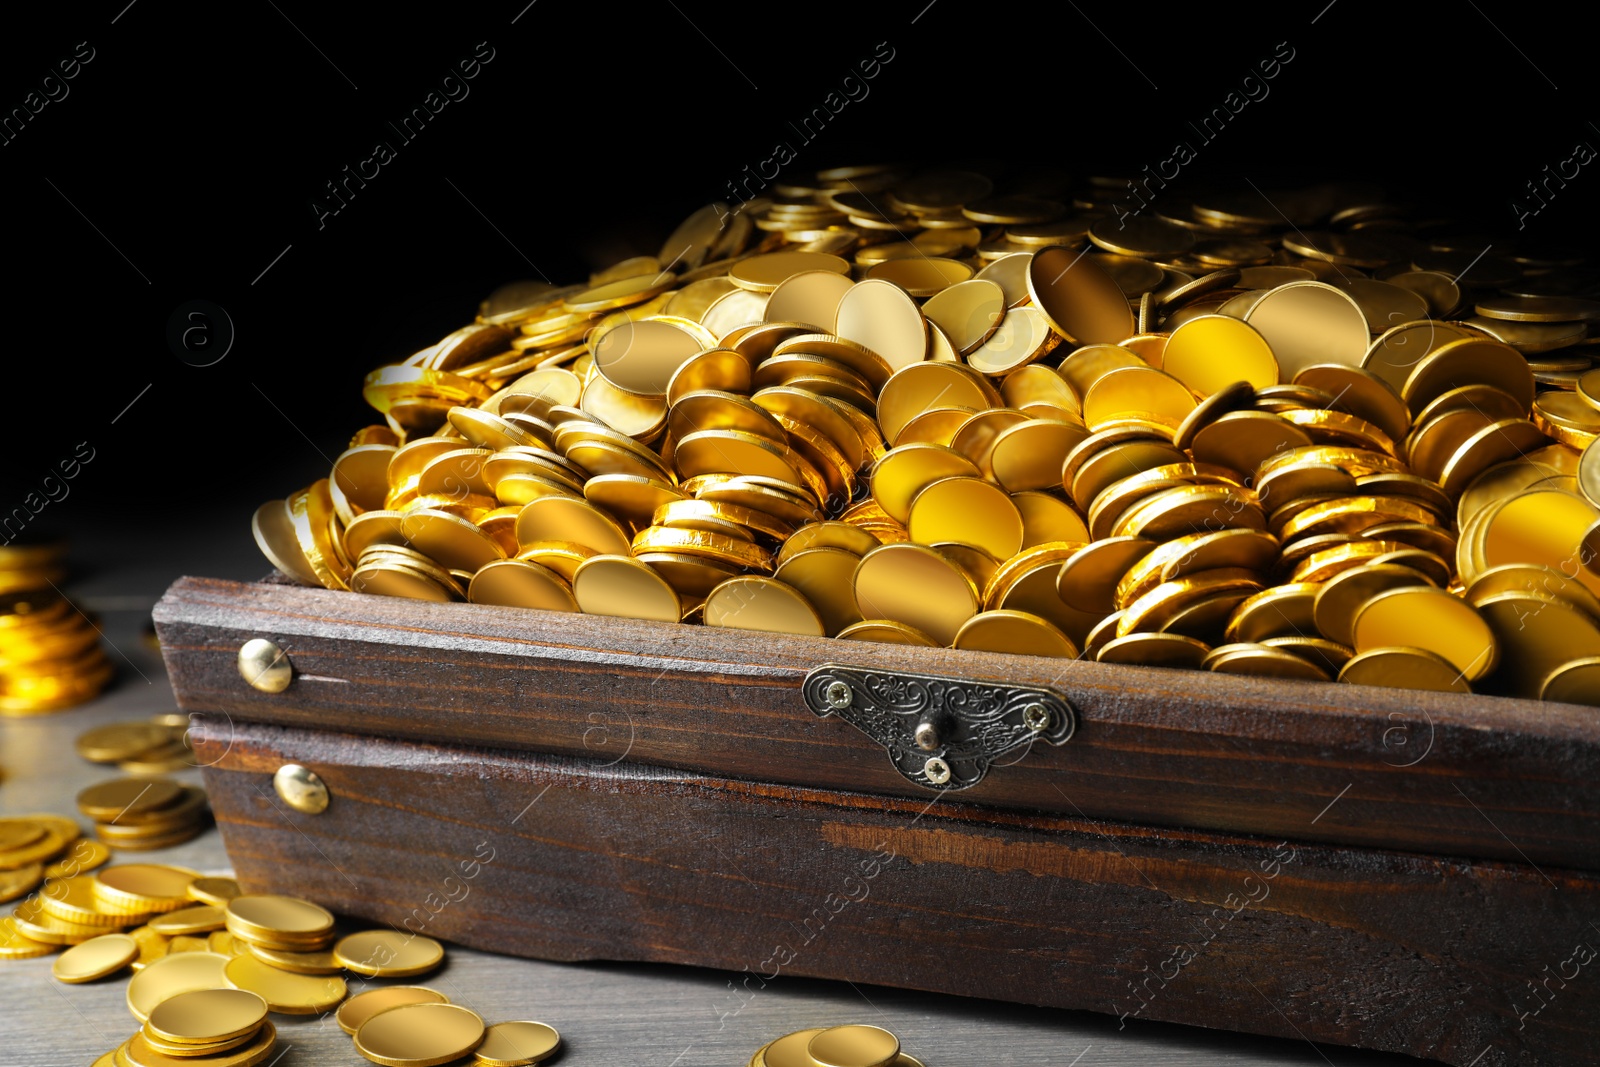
645	1015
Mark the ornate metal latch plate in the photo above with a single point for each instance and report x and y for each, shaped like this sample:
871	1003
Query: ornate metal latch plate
941	733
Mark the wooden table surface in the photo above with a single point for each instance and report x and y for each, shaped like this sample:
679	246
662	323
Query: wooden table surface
645	1015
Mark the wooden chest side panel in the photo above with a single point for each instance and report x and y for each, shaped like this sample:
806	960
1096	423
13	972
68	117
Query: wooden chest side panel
560	858
1434	773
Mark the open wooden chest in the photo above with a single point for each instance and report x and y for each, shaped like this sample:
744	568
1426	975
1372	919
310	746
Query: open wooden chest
1414	872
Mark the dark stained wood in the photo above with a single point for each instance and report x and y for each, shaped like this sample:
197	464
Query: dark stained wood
556	858
1476	777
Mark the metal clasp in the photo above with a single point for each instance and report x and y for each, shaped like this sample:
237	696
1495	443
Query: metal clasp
941	733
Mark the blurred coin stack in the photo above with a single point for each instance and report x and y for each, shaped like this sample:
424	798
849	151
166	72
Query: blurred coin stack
159	745
50	655
141	814
1298	433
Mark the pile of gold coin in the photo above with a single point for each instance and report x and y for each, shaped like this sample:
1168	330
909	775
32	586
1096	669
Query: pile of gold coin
50	654
1292	434
158	745
852	1045
211	962
141	814
36	847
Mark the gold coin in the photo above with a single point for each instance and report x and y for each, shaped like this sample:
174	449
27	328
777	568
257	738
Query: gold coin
109	744
879	316
419	1035
399	581
624	292
831	534
1088	580
853	1046
1162	605
363	1006
1566	417
388	953
915	585
16	833
1170	513
691	576
20	882
1341	596
284	991
811	297
270	916
1210	352
1537	634
123	797
922	386
1432	619
73	900
152	946
886	631
1577	682
450	541
921	276
631	497
1155	650
1015	632
1282	611
1498	442
1010	273
720	369
1141	390
1529	578
739	452
968	511
1469	361
790	1050
321	961
1088	364
1047	518
1404	668
200	919
96	958
764	273
752	602
205	1017
16	945
1543	527
905	471
1081	301
824	576
1307	323
1540	309
173	974
731	551
1141	235
1022	336
140	1051
516	1044
143	886
521	584
572	520
1262	661
968	312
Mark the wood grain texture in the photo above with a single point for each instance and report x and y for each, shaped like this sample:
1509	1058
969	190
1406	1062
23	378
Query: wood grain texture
1477	777
558	858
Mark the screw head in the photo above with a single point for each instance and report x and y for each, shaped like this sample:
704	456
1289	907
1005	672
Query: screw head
837	695
264	665
301	789
937	770
1036	717
927	736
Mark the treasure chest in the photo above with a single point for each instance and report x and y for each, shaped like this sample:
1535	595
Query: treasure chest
1416	872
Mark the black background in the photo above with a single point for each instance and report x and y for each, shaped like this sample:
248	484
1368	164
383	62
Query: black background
197	138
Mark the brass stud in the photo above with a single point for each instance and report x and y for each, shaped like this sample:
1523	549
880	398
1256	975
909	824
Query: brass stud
264	665
301	789
927	736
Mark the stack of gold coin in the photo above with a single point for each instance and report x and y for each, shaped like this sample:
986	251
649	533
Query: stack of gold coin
50	654
204	1026
140	814
151	746
851	1045
922	407
413	1026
